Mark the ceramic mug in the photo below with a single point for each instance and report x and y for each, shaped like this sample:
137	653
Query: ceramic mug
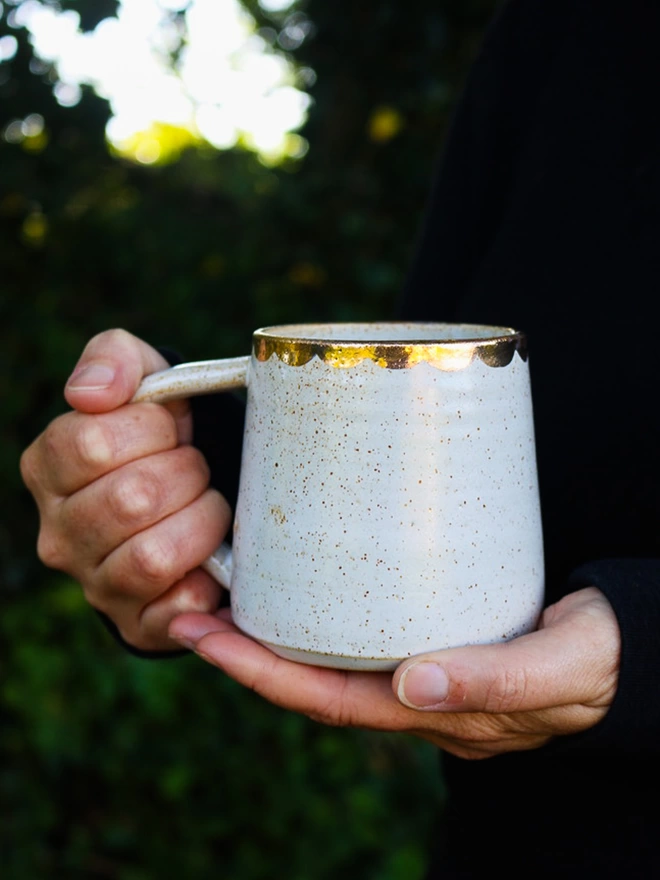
388	502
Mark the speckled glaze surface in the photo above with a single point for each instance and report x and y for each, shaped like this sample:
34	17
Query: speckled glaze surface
388	503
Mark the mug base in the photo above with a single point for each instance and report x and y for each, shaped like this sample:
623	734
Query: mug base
335	661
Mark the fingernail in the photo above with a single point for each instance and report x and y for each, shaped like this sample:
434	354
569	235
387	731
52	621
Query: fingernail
92	377
424	685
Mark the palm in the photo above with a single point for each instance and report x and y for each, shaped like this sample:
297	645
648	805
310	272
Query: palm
558	680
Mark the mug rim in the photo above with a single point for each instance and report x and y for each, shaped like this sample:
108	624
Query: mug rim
296	344
301	333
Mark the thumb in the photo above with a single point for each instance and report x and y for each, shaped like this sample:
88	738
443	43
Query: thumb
110	370
572	659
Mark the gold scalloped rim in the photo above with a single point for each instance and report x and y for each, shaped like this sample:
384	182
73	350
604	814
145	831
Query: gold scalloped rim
450	356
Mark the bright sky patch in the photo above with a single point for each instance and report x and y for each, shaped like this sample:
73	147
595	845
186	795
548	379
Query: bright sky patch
229	85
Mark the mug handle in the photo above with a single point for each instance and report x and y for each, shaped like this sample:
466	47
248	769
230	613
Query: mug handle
193	380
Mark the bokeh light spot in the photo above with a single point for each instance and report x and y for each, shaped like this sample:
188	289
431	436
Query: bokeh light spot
35	228
384	124
8	47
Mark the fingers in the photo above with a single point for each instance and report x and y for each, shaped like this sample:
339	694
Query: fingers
146	565
572	660
498	698
131	499
75	449
155	575
109	371
147	630
341	698
123	500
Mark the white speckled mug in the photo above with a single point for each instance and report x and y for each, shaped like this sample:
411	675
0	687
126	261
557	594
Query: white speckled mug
388	501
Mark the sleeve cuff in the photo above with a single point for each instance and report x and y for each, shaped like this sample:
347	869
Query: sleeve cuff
137	652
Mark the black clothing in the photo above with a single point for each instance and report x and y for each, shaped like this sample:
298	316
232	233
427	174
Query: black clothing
546	217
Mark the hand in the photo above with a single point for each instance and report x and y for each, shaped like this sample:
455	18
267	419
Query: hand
474	702
123	497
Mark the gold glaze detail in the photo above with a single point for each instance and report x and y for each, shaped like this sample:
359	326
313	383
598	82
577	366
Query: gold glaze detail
449	355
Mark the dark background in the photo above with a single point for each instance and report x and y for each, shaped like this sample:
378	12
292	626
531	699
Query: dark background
113	767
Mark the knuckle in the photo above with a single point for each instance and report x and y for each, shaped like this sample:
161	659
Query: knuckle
506	692
92	443
195	596
28	467
136	499
51	550
154	560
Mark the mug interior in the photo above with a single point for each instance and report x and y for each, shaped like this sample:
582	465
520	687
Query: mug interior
395	332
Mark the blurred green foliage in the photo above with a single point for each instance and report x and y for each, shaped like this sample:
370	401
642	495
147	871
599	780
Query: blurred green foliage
113	767
120	767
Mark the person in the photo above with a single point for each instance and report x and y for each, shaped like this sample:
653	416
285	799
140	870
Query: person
545	216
